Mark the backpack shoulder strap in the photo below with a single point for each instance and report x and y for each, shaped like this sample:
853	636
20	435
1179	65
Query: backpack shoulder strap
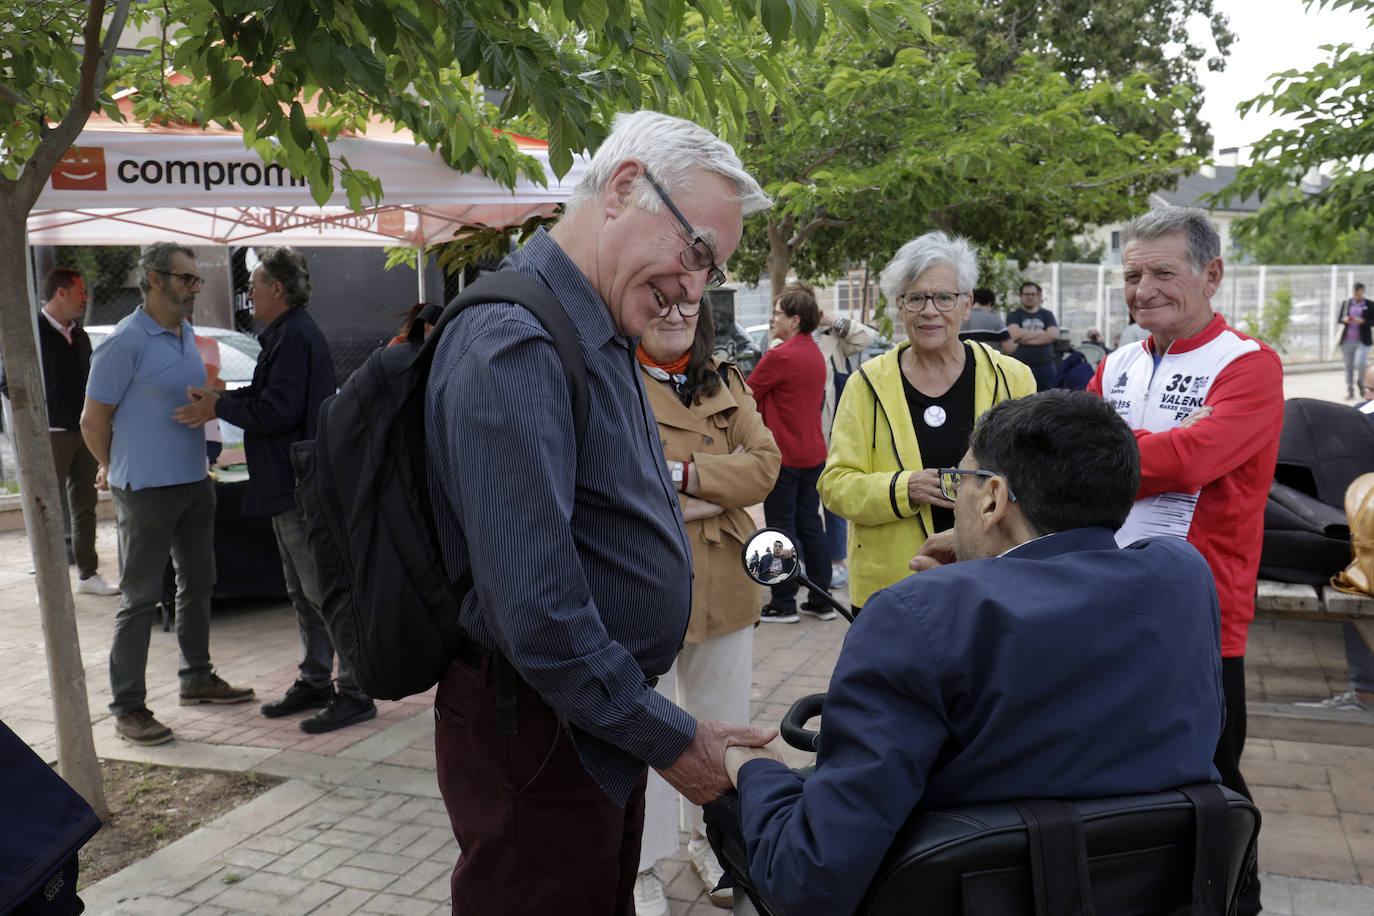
539	300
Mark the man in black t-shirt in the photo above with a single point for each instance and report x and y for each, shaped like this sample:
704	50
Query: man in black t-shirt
1035	331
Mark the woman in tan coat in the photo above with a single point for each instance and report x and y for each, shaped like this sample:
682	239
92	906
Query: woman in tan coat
723	459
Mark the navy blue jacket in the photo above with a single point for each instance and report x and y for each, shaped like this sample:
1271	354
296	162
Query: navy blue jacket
1066	668
294	374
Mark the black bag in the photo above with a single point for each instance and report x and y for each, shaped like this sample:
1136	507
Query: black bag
389	605
45	823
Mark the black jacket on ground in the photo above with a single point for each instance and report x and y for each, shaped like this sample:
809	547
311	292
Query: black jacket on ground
295	373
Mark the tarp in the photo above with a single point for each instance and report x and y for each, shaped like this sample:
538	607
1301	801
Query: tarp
134	184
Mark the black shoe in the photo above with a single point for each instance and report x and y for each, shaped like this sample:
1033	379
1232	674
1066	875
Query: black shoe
300	696
817	609
340	712
771	614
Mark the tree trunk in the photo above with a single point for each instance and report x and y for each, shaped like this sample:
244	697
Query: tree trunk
38	486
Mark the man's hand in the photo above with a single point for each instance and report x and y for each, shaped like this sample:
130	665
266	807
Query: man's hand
200	410
699	771
736	757
1201	413
938	550
102	475
924	487
694	508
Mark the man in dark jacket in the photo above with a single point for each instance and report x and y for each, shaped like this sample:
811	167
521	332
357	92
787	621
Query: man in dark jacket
66	355
295	373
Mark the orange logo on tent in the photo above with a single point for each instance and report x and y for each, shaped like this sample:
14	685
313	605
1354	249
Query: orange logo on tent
391	222
80	169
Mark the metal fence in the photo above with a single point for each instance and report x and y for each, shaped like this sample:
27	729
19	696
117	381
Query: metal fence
1084	296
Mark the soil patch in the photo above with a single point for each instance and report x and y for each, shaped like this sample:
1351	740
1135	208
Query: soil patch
150	806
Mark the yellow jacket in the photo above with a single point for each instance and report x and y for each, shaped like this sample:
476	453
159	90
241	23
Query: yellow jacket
873	452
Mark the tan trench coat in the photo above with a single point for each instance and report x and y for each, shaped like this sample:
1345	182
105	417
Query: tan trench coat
723	597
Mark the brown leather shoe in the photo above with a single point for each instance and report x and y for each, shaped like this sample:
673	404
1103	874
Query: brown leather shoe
214	689
139	727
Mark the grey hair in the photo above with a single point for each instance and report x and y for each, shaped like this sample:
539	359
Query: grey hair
671	149
924	252
158	257
287	266
1203	242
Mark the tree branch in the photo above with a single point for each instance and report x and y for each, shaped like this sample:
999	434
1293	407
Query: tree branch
14	96
821	220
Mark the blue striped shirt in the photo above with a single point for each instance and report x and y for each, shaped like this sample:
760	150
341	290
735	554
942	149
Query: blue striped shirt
581	565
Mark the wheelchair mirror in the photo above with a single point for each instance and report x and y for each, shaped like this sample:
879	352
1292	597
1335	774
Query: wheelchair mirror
770	557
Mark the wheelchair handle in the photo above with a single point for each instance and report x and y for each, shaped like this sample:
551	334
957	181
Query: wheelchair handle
793	728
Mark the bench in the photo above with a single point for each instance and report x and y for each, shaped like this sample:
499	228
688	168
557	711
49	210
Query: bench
1287	601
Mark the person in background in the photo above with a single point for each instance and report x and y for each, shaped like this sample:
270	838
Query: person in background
910	411
164	498
294	374
1353	326
789	385
840	340
1206	404
1034	330
65	353
411	315
1133	332
984	325
722	459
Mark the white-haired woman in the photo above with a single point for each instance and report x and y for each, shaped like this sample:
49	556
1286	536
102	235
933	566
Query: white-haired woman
909	411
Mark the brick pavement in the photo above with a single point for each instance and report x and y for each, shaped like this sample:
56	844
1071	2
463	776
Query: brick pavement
358	827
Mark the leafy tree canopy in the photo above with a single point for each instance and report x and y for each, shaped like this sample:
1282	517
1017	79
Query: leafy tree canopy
1331	103
1300	236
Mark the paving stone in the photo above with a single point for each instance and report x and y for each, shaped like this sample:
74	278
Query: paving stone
364	878
393	905
431	842
347	838
1272	800
420	875
242	857
384	862
347	900
324	864
236	897
296	858
1300	844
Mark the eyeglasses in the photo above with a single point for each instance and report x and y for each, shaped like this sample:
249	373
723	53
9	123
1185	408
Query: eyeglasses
685	309
914	302
949	481
698	255
191	280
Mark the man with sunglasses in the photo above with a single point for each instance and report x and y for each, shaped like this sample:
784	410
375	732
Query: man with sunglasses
164	499
546	718
999	673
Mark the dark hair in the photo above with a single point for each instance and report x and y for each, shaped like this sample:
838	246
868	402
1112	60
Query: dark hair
799	299
287	266
411	315
1357	286
1025	283
702	378
58	278
984	296
157	258
1069	458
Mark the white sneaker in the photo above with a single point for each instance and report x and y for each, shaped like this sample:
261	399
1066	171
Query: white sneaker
839	575
649	897
1345	701
96	586
707	867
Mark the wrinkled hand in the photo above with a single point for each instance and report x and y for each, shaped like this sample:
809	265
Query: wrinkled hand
924	487
938	550
102	475
200	410
699	771
1201	413
736	757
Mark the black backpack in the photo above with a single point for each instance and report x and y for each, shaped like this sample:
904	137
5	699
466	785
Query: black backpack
390	607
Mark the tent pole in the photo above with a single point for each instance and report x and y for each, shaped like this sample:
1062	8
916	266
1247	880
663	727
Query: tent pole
420	273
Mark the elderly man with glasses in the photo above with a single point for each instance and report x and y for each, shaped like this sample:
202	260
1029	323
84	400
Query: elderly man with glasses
164	498
1030	657
546	718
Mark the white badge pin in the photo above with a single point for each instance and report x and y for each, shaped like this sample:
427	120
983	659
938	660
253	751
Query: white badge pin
935	416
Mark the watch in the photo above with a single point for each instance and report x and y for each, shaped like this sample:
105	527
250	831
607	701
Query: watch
675	469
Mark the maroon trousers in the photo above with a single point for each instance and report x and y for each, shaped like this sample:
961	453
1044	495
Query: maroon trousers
537	834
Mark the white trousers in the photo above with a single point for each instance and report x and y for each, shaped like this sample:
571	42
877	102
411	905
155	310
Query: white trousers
711	681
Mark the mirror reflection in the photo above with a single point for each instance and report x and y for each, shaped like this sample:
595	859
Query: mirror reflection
770	557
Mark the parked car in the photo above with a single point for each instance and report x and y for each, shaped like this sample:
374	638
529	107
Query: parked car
238	353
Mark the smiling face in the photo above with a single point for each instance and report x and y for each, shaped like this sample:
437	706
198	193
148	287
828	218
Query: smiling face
668	337
928	328
1168	298
638	267
69	303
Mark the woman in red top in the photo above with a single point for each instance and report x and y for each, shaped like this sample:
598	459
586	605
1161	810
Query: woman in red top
789	386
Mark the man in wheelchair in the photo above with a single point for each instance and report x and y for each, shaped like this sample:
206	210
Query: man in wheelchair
1028	658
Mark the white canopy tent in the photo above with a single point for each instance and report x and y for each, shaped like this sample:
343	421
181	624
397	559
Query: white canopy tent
134	184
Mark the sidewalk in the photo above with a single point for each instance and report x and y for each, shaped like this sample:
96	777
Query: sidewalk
358	826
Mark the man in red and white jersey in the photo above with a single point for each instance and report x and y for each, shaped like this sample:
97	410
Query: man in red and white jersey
1206	405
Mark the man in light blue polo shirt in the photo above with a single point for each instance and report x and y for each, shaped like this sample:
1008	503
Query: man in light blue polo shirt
164	498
